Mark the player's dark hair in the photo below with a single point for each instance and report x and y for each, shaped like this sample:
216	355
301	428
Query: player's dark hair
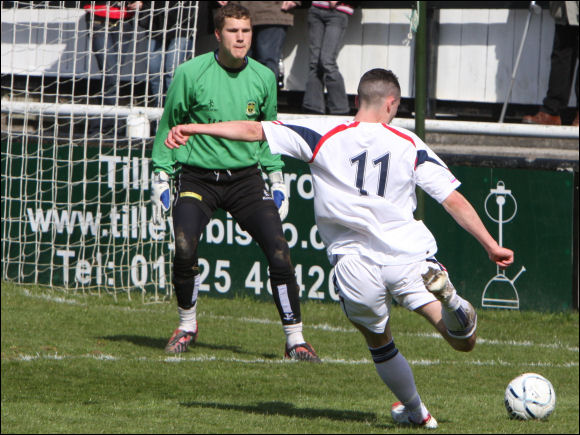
231	10
377	84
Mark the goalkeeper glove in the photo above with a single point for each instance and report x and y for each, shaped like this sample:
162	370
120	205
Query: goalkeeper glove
160	196
278	190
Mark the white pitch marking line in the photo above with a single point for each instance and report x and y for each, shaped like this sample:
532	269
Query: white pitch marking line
326	327
45	297
323	327
213	358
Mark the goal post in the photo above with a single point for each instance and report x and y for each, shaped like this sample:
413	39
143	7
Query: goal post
81	84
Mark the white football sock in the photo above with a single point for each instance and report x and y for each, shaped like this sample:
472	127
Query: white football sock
293	334
452	301
188	318
460	322
458	314
398	376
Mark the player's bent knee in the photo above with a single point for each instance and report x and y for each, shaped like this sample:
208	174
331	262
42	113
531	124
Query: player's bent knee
280	263
280	258
185	245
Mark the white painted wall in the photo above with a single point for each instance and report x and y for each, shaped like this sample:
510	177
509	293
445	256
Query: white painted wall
475	58
478	50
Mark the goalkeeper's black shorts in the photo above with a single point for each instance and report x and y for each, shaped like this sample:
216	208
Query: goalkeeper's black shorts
238	191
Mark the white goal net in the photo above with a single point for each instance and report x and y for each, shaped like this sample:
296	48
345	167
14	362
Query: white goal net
82	83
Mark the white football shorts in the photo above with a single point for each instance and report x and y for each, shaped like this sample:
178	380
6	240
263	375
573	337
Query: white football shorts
366	288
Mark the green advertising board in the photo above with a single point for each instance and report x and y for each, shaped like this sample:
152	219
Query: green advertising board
80	217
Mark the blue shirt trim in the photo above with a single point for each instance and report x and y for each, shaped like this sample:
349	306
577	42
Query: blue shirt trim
310	136
423	157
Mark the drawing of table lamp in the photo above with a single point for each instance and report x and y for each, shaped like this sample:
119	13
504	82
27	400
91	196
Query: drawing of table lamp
500	291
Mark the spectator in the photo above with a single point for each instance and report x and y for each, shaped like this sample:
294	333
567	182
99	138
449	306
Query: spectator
171	26
562	63
327	22
270	22
105	21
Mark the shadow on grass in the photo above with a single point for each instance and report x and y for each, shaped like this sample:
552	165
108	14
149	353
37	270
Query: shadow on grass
159	343
155	343
289	410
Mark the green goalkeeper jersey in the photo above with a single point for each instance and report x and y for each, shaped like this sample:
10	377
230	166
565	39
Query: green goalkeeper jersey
203	91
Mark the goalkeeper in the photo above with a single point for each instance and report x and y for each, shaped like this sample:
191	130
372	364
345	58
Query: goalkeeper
215	173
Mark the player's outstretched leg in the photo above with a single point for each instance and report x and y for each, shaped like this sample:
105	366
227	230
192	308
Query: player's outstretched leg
458	314
394	370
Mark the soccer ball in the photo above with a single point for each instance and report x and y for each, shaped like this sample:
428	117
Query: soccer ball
530	396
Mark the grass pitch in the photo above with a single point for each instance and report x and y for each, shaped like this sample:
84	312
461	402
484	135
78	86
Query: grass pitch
74	363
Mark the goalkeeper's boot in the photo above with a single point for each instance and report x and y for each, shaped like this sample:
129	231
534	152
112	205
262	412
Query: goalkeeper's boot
302	352
402	416
180	341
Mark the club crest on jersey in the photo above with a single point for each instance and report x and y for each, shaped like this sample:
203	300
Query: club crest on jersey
251	108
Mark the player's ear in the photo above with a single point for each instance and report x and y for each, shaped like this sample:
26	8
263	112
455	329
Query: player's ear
218	35
388	104
391	107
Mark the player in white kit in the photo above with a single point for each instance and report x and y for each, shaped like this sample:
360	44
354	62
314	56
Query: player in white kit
364	174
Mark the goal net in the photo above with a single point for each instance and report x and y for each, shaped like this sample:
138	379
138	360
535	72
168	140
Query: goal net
82	84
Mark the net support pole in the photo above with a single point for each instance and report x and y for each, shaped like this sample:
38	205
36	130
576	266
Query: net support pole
421	90
421	70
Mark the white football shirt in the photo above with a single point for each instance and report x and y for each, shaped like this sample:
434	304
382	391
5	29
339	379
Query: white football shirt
364	177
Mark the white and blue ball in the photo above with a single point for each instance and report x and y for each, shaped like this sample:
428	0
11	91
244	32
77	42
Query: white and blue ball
529	397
